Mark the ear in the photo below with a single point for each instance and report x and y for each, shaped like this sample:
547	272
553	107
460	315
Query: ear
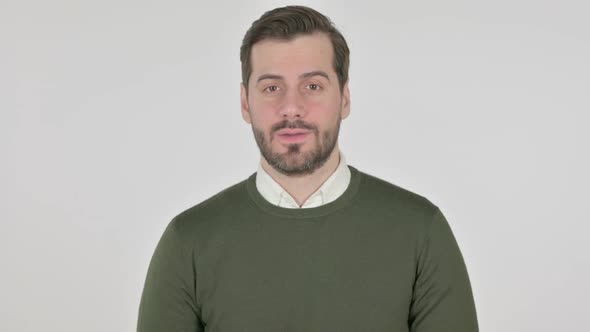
345	102
244	104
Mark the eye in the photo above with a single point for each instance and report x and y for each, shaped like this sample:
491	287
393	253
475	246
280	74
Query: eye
314	87
272	88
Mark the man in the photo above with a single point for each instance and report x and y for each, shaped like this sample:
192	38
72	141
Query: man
307	243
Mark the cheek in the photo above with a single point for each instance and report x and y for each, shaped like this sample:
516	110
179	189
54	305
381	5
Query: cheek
261	115
324	113
326	104
263	123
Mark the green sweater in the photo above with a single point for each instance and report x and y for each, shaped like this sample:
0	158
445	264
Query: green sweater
378	258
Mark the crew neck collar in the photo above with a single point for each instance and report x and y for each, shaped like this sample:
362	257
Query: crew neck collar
346	197
334	186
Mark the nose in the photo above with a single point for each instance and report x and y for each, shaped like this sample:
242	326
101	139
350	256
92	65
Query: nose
293	105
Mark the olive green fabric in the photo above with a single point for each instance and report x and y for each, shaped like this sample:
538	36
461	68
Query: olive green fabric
379	258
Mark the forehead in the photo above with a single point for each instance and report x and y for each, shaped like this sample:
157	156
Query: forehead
300	54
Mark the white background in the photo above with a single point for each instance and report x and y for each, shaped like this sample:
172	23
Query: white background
117	115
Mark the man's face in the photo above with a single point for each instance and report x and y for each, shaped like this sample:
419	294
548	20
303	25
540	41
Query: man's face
294	103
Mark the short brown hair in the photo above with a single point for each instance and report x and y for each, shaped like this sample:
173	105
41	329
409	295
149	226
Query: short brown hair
286	23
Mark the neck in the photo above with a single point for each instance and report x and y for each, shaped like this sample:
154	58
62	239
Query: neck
302	187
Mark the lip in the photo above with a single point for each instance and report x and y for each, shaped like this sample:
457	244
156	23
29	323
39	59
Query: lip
292	135
292	131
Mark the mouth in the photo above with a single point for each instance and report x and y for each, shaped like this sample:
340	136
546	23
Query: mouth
292	135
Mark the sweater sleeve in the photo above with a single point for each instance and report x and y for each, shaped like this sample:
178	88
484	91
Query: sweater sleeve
168	300
442	299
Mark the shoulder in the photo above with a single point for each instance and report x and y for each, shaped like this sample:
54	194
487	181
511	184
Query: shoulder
392	199
377	187
408	212
219	207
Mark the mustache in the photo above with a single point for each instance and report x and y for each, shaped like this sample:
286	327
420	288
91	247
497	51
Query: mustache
297	124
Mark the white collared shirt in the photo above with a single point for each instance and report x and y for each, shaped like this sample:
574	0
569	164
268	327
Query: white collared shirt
330	190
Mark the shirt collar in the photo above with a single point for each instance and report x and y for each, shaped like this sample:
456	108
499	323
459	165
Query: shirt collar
329	191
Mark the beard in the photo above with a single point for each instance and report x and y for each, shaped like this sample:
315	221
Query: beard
294	162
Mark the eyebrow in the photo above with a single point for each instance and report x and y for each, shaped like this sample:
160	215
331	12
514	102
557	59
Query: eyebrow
302	76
